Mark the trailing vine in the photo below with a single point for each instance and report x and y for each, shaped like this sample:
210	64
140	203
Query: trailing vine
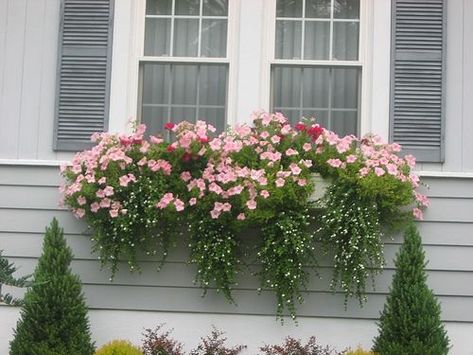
351	231
287	252
213	248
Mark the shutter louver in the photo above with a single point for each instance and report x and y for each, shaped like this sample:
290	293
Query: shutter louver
417	77
84	70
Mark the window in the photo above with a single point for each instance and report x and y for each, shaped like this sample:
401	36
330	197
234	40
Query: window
185	68
316	69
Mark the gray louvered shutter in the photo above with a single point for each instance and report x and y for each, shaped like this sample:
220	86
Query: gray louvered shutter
418	77
84	69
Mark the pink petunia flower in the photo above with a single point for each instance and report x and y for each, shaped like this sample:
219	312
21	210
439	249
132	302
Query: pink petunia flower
251	204
418	214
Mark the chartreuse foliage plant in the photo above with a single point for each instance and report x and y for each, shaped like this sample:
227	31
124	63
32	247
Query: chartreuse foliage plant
410	323
358	351
7	270
134	190
119	347
53	318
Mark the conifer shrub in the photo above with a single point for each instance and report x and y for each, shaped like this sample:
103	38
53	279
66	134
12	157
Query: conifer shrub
410	323
7	270
53	319
119	347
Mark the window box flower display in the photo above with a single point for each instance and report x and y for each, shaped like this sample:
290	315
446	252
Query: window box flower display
133	189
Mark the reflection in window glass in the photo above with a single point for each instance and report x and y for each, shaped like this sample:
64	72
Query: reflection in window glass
177	92
317	29
198	28
329	94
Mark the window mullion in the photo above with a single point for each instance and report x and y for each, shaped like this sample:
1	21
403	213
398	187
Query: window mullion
171	44
331	30
303	30
199	37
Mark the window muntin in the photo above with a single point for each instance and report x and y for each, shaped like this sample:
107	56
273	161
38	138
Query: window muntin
185	68
316	69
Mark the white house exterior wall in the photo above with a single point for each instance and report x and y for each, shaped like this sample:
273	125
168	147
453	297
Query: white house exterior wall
29	179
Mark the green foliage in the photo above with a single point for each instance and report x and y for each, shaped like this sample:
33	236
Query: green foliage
293	346
350	229
214	250
7	270
410	323
138	192
119	347
214	344
286	254
53	319
157	342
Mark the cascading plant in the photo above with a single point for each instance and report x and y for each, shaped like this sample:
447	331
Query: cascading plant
133	190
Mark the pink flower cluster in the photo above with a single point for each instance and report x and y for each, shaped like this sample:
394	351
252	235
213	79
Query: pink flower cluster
375	157
281	157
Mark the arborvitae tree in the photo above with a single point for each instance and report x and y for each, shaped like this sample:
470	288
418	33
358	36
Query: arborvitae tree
7	270
54	315
410	322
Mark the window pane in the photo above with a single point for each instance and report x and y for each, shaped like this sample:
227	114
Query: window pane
317	40
344	122
320	116
212	85
186	37
184	84
214	38
157	37
187	7
289	8
346	9
214	116
156	82
286	87
318	8
288	39
345	88
154	118
315	88
215	8
345	40
179	114
158	7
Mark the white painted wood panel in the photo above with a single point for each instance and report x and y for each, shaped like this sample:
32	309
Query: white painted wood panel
31	83
10	101
467	128
48	82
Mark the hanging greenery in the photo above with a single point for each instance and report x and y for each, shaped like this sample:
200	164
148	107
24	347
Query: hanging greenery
133	191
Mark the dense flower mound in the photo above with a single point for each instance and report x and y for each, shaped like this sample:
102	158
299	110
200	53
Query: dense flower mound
134	189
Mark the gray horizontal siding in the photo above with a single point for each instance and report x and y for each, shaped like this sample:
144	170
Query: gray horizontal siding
28	201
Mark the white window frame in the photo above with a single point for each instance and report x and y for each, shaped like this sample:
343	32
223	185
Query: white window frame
137	19
250	43
363	62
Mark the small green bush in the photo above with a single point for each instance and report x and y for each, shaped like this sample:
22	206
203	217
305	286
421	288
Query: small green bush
53	318
119	347
7	270
410	323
